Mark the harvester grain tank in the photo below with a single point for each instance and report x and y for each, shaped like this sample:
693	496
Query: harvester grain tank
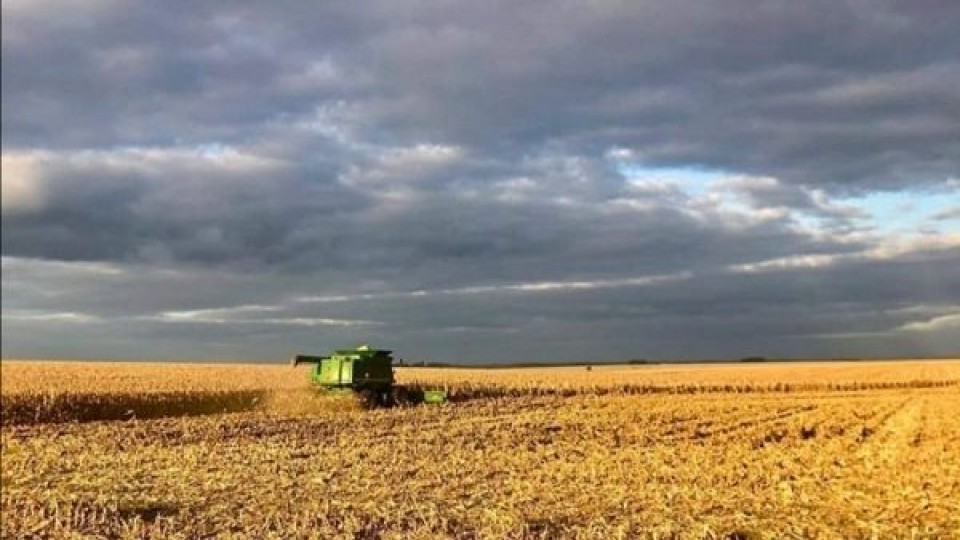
366	371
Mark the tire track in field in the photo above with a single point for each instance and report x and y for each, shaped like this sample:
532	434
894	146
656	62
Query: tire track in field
553	414
811	421
739	427
877	428
822	424
893	433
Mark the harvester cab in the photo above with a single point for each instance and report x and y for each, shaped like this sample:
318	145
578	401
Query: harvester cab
366	371
360	368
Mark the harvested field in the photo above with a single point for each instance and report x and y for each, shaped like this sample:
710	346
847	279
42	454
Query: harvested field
855	450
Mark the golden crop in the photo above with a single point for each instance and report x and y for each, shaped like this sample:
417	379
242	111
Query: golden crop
704	378
854	450
40	392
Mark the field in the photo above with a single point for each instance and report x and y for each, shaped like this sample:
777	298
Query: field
840	450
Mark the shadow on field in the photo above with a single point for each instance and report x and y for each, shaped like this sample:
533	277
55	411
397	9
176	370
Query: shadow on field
41	408
38	408
26	409
89	407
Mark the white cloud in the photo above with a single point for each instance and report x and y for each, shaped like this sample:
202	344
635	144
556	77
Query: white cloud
22	185
279	321
892	248
787	263
936	324
532	287
234	316
213	313
404	165
28	266
30	167
319	74
617	153
54	317
886	249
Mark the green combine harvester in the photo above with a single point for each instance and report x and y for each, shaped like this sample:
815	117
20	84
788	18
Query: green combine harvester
367	372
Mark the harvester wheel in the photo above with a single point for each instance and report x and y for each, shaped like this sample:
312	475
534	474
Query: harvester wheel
376	397
368	397
398	394
386	398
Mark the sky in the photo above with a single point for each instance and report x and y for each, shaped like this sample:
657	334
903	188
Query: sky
481	181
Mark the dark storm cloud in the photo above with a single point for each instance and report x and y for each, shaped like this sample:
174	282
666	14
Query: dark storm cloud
168	207
383	220
902	305
842	93
186	175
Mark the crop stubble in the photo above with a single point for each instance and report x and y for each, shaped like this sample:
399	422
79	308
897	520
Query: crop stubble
834	451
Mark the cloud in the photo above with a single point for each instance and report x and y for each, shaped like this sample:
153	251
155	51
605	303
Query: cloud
890	250
219	314
18	264
770	193
242	315
291	321
691	188
943	322
944	215
824	95
23	191
407	164
522	288
54	317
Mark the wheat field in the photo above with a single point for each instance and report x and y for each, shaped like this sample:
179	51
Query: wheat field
812	450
